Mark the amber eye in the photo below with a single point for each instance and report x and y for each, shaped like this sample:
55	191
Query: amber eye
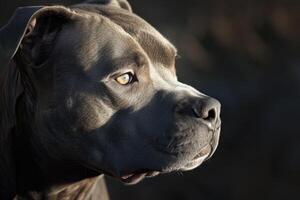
125	79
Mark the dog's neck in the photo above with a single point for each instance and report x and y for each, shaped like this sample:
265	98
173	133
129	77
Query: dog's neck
91	188
35	184
10	90
20	177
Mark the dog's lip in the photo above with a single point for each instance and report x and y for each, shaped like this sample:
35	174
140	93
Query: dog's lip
205	151
129	178
135	177
197	160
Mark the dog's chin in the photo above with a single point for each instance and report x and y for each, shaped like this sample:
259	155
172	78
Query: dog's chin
136	177
204	154
182	164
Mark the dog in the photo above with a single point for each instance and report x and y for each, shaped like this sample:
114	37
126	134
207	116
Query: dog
91	90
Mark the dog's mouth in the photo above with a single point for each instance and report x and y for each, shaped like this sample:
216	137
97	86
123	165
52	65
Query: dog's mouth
205	153
136	177
202	156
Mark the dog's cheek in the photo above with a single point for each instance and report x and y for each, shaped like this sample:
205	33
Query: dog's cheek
87	114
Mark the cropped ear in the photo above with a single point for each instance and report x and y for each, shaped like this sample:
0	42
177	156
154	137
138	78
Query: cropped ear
119	3
29	27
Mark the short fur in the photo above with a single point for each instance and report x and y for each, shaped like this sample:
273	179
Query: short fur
65	121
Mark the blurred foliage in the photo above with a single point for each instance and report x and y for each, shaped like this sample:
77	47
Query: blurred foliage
247	54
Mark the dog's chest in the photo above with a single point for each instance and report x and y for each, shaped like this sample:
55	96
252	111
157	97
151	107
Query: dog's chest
88	189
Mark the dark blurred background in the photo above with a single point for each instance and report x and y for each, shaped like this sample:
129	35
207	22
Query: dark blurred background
246	54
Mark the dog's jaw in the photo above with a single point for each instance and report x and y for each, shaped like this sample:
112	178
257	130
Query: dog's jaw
198	159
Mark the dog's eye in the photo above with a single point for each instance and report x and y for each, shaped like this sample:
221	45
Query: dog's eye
125	79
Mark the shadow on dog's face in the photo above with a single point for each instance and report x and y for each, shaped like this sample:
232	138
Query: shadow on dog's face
108	98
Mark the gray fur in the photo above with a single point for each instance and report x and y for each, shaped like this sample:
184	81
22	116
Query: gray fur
65	120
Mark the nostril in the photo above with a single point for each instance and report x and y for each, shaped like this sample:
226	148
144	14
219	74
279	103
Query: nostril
196	113
207	116
210	115
207	109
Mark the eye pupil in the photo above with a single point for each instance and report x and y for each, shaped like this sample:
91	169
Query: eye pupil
125	78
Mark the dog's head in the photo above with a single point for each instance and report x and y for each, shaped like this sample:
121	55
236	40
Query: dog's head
104	93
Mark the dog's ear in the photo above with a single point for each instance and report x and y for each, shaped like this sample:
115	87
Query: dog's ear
31	27
26	34
120	3
12	33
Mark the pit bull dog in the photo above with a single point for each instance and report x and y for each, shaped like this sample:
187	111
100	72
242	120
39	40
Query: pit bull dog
91	90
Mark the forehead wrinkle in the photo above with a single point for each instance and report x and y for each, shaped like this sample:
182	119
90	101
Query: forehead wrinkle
131	57
156	46
158	50
122	63
109	54
142	38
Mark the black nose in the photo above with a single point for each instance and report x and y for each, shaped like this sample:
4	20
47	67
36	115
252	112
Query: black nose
208	109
